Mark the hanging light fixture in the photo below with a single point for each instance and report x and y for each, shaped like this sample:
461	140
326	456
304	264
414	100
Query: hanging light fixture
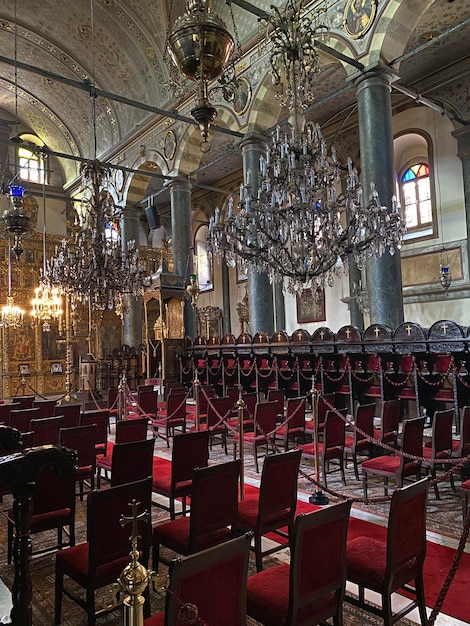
200	46
94	268
14	219
11	316
192	290
47	303
445	277
296	225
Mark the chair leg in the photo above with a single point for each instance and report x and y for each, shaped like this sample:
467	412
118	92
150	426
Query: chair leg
90	607
341	466
255	452
11	527
364	484
258	553
155	556
72	533
59	590
387	609
419	586
356	470
435	483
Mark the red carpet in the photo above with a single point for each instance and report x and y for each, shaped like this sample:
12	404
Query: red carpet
437	564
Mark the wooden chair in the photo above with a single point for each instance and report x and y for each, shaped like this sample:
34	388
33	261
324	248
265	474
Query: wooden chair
389	423
5	412
190	451
82	440
46	430
213	518
294	427
147	403
264	430
25	402
217	409
100	418
53	507
46	407
389	565
126	431
100	560
21	419
323	407
332	446
278	396
173	418
357	442
193	580
398	467
441	445
250	400
132	461
310	589
273	506
70	414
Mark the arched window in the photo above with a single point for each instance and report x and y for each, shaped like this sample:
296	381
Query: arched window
203	260
416	197
31	167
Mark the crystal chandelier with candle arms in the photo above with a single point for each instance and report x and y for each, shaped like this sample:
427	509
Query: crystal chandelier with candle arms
298	224
11	315
94	268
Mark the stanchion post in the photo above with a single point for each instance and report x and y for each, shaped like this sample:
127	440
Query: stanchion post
318	497
241	410
197	391
122	407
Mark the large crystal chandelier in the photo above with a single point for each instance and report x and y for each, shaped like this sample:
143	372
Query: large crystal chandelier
11	315
94	268
297	223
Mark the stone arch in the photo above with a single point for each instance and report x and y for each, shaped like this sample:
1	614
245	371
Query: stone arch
137	184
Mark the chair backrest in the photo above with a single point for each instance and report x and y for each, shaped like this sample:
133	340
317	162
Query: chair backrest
214	501
406	536
334	432
216	410
193	580
25	402
5	411
265	417
113	393
318	561
250	400
70	414
46	407
364	421
21	419
278	487
442	433
147	399
323	406
232	393
176	406
81	439
131	430
412	437
53	492
204	393
464	447
108	539
173	385
101	419
390	419
295	412
278	396
190	452
132	461
46	430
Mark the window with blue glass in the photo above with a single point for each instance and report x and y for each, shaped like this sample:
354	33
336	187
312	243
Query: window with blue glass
416	199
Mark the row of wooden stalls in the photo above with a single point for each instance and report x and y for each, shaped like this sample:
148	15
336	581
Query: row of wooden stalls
425	367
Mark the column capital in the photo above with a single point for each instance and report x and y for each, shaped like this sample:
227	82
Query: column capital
253	141
178	183
463	142
377	74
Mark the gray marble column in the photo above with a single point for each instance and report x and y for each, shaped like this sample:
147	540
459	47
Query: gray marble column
132	322
357	318
182	242
259	289
279	307
463	142
384	281
226	319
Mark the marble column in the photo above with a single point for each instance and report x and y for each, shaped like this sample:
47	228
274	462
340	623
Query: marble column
463	143
384	283
132	322
226	318
279	307
259	289
182	242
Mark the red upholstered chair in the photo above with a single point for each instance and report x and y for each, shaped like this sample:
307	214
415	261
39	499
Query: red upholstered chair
126	431
70	414
53	507
46	430
46	407
214	513
206	392
25	402
278	396
273	506
5	411
323	407
100	560
132	461
100	418
388	565
357	443
310	589
389	423
190	451
21	419
264	430
82	440
250	400
465	493
441	444
193	580
294	427
332	446
113	401
398	467
217	409
170	419
147	402
461	446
